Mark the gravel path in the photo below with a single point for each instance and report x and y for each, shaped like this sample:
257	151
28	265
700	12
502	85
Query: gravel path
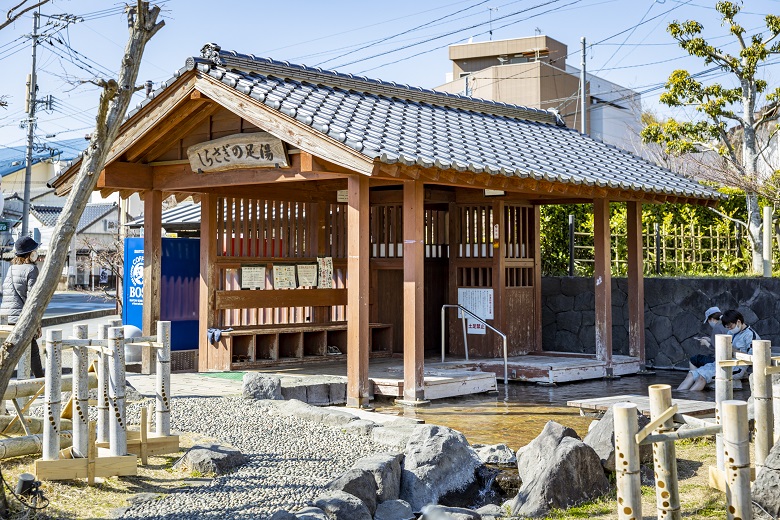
290	460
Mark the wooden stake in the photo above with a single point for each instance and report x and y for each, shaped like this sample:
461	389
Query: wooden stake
762	397
664	457
736	454
80	395
116	387
52	395
629	485
163	422
102	374
724	389
143	432
91	454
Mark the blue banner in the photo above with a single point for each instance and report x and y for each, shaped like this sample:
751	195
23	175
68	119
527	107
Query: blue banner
133	306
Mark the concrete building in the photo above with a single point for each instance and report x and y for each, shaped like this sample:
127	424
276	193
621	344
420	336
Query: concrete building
533	72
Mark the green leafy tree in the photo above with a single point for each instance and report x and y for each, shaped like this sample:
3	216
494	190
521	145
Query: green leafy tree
734	124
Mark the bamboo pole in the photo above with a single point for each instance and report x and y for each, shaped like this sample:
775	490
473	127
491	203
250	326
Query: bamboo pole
52	395
736	451
12	427
629	490
116	392
762	397
102	404
163	408
80	394
30	387
664	457
724	389
29	444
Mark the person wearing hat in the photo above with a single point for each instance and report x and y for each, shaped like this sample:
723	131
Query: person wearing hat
712	317
17	285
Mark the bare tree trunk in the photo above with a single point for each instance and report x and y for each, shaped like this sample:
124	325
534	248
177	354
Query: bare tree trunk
114	102
755	234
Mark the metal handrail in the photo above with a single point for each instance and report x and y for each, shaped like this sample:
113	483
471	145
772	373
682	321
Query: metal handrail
465	339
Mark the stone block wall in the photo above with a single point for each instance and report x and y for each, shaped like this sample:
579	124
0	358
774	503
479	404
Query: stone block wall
674	312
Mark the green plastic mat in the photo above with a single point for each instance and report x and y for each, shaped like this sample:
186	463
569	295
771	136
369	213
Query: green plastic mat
234	376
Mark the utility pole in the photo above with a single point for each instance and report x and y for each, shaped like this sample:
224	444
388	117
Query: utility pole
32	87
583	103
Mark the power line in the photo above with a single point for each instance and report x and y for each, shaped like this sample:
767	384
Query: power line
404	32
627	37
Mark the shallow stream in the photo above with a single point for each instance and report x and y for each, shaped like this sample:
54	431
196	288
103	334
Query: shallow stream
516	415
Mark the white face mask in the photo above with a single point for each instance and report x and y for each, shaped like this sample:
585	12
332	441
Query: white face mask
713	322
34	256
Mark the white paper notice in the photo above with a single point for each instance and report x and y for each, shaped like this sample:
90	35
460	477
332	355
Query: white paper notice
284	277
253	277
325	273
307	275
480	302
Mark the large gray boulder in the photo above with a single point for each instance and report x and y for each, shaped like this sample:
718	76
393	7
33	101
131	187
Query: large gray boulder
766	488
499	454
394	510
534	455
439	467
393	436
311	513
566	474
283	515
490	512
339	505
260	386
358	482
211	459
601	438
434	512
386	469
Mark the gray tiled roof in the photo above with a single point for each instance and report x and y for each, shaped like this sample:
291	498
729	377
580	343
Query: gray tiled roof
92	213
181	216
401	124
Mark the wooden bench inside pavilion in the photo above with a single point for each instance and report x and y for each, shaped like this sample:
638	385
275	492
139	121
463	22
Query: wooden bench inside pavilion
338	215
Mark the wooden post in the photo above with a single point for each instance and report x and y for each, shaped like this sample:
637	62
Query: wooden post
762	397
414	299
91	455
636	284
207	314
499	273
52	395
537	249
629	485
143	435
152	258
163	403
80	394
603	280
776	404
724	389
116	426
736	451
102	400
357	292
664	457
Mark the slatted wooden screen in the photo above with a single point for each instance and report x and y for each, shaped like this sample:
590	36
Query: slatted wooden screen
475	242
265	232
386	228
519	241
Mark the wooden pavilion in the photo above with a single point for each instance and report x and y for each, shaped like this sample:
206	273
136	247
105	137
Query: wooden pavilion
339	211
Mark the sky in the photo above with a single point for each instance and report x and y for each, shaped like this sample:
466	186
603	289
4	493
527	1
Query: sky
403	41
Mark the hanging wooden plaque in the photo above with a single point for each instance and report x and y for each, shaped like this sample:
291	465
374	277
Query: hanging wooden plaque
238	151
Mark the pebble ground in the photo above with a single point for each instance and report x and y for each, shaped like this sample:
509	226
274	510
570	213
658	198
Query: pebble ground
290	460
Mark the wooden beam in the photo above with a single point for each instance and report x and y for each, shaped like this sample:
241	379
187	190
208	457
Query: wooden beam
174	135
357	288
152	259
284	127
126	176
180	177
414	299
393	170
271	298
603	282
636	284
158	132
207	313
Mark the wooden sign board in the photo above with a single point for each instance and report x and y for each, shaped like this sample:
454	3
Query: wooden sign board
238	151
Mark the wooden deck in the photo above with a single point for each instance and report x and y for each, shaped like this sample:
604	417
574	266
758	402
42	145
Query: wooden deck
684	406
547	367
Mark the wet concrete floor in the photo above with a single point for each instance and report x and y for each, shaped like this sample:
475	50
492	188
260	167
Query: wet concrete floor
518	413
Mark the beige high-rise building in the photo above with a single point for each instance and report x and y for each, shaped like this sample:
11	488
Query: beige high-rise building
533	72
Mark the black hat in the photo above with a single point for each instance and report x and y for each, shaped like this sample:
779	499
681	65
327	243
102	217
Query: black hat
24	246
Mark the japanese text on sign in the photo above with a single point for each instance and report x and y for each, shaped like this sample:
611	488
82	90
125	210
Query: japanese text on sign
480	302
253	150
